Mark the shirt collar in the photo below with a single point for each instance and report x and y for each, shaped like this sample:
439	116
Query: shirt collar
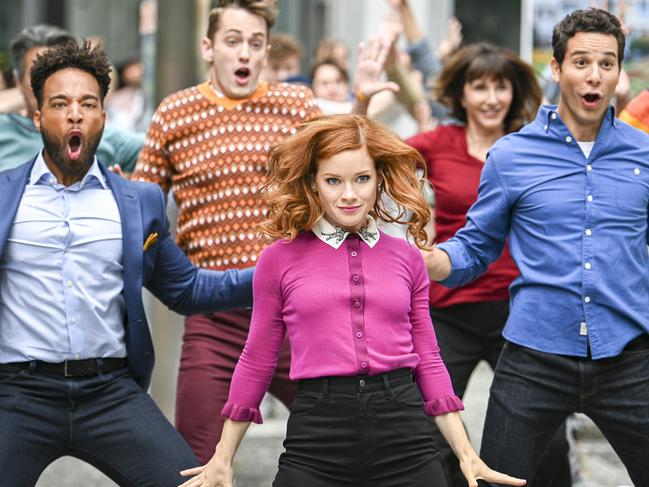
335	236
41	174
548	116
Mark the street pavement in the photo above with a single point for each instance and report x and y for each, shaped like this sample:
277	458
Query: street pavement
256	461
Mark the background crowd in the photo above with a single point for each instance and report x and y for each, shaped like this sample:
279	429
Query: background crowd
450	100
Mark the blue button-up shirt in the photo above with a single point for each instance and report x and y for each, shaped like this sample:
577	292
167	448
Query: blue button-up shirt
61	274
577	230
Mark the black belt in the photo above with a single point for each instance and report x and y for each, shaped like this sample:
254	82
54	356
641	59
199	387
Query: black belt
358	383
70	368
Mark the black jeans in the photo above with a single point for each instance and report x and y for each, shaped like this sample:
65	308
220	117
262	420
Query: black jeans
365	431
533	393
107	421
471	332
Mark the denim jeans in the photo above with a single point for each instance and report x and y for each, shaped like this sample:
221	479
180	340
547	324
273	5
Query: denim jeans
468	333
365	431
107	421
533	393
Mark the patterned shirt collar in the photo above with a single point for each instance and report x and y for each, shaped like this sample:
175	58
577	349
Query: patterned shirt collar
335	236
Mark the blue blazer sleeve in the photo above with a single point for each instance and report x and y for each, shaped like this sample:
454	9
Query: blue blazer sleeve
185	289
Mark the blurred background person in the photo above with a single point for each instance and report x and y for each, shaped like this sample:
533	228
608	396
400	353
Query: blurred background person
125	104
330	85
636	112
332	49
490	91
284	60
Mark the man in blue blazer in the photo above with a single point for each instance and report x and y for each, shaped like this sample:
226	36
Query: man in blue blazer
77	244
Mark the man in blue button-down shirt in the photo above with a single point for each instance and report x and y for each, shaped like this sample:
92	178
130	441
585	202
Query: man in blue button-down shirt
571	192
77	244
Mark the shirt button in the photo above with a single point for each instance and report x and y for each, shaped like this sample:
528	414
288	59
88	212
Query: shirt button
545	127
636	171
357	304
69	283
589	197
361	382
73	321
359	334
583	329
587	299
568	139
77	356
554	116
587	265
356	278
354	253
589	232
589	167
364	365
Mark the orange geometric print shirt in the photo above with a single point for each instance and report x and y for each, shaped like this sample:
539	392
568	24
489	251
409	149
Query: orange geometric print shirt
213	152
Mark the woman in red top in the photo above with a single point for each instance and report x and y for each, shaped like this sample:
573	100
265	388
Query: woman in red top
491	92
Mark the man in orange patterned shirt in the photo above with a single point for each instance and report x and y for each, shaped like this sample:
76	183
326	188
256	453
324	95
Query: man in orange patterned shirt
210	144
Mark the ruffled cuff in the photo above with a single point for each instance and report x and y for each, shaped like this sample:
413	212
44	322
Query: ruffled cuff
240	413
443	405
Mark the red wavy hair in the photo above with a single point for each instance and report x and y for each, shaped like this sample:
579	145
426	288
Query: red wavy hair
293	205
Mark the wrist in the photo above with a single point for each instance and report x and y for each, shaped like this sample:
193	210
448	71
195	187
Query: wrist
223	455
361	97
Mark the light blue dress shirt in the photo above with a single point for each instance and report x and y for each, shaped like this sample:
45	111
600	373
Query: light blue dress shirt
577	230
61	276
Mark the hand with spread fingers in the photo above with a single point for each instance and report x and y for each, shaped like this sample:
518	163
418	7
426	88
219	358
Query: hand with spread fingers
369	69
212	474
475	469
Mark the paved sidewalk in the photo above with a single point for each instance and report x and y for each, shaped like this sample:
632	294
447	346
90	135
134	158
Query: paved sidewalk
257	458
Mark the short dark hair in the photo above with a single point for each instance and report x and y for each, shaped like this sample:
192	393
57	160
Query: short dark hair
41	35
593	20
88	58
266	9
479	60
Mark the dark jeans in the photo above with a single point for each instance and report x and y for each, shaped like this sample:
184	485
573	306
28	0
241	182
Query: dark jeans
359	432
107	421
533	393
471	332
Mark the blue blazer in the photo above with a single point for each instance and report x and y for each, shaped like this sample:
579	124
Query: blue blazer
163	268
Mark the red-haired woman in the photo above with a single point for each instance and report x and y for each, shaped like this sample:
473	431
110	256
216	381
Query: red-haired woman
490	91
354	302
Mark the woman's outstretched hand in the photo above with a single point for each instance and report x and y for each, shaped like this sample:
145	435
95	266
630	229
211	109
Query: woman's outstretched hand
215	473
475	469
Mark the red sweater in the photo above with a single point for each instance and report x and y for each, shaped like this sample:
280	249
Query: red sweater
455	176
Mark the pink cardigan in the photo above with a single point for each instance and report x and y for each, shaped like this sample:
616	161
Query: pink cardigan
351	311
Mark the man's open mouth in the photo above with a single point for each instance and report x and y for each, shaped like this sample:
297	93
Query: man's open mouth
74	145
591	98
242	75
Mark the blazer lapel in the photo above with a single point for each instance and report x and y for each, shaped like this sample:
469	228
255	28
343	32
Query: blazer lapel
132	234
12	187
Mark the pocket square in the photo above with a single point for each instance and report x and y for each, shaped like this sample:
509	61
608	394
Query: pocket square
150	240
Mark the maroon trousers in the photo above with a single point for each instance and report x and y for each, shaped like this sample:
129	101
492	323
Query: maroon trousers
211	348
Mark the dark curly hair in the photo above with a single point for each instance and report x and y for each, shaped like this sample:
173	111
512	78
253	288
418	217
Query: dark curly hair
593	20
87	58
